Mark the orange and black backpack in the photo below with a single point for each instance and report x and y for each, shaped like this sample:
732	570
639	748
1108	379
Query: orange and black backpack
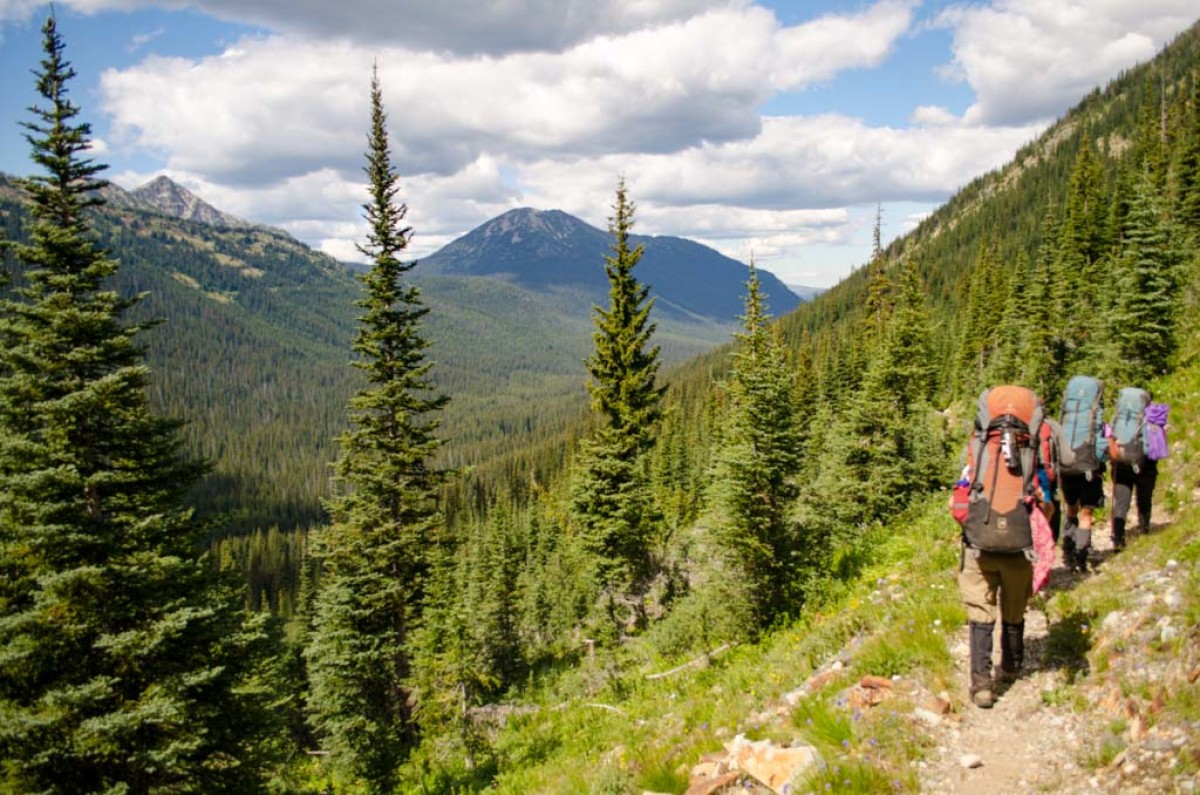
1002	460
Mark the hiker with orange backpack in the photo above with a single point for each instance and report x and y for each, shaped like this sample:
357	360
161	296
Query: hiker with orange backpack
1084	453
1137	443
997	502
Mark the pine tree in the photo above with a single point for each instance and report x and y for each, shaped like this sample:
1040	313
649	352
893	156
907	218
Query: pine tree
888	436
1187	187
977	335
374	556
1079	273
611	498
127	663
1145	300
1041	361
757	461
1015	326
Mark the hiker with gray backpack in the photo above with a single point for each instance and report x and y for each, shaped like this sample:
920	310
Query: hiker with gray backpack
1138	442
1083	454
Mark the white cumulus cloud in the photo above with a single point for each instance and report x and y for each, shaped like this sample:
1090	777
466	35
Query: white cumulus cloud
1030	60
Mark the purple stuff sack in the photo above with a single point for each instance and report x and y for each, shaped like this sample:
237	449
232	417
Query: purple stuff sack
1156	431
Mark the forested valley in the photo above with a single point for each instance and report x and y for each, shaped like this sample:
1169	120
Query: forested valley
426	568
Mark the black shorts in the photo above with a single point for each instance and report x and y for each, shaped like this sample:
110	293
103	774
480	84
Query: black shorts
1078	490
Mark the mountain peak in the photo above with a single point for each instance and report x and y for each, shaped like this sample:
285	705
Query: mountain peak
170	198
551	249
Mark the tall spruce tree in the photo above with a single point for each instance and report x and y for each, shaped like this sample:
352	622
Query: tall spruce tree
888	436
375	554
1142	322
758	457
610	496
126	659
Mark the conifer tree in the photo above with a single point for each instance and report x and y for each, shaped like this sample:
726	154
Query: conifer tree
127	663
1150	142
888	436
1145	300
757	460
374	556
610	496
1041	363
1015	326
977	335
1079	273
1187	180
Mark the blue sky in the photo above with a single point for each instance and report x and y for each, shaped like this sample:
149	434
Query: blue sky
764	129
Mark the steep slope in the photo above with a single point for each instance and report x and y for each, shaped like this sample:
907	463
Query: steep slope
551	250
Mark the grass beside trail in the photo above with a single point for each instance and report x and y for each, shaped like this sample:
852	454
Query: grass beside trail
631	734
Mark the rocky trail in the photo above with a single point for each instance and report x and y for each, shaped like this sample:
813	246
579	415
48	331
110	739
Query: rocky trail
1108	700
1098	739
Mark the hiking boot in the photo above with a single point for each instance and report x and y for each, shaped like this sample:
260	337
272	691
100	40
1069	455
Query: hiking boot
981	664
1012	650
1081	561
1118	534
1143	523
983	698
1068	548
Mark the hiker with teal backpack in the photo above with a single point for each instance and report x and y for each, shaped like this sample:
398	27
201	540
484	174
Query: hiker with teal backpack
1137	444
1083	455
1007	546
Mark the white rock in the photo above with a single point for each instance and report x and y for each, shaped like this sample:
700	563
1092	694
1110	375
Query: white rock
928	717
1113	620
970	761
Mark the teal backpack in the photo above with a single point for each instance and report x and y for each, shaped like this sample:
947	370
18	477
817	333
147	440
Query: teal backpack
1129	427
1082	421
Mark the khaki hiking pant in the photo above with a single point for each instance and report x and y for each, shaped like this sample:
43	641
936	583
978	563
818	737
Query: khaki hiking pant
982	574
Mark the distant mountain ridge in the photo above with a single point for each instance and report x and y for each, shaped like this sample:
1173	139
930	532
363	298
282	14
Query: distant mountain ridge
170	198
167	197
550	250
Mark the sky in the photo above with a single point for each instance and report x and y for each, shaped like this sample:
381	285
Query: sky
772	130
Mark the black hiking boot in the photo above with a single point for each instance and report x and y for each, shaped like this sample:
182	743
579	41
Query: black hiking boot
1143	523
1118	534
981	665
1083	544
1068	548
1012	650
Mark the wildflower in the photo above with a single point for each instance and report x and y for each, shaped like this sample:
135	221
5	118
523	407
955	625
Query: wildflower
845	743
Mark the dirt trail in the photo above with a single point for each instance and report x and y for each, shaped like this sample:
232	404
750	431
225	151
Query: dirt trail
1023	744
